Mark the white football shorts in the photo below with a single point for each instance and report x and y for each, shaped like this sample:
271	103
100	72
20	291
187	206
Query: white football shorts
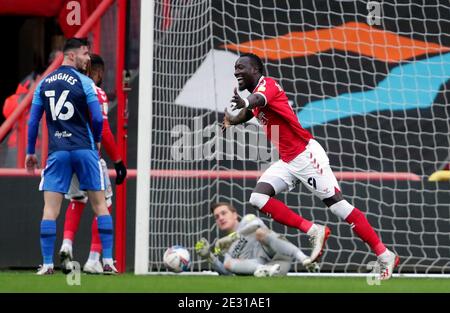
311	167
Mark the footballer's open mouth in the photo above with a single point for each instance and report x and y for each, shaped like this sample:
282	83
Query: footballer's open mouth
241	81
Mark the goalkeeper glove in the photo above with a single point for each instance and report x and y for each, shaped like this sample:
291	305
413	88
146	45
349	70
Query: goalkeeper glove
217	251
225	242
121	172
202	248
313	267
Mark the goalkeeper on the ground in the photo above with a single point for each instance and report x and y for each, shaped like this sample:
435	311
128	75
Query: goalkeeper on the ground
250	248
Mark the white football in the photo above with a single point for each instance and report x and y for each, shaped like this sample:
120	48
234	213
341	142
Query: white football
177	259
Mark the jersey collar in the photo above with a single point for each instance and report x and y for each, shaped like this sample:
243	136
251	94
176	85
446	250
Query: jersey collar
259	82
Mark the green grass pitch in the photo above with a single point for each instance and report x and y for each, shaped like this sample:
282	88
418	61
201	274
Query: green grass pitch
27	281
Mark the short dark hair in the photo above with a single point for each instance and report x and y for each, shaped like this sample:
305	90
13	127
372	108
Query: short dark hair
97	61
255	60
227	204
75	43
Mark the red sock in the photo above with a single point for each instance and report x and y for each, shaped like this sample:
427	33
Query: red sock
365	231
72	219
96	244
282	214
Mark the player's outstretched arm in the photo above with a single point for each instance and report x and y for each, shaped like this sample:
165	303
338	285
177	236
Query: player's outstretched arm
251	224
243	116
224	243
203	249
252	101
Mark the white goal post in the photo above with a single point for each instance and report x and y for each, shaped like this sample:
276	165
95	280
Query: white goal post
369	80
144	136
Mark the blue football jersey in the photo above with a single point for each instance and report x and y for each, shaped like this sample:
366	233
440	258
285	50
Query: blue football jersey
73	114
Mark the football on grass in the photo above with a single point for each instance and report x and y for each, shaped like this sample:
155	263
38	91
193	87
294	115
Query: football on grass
177	259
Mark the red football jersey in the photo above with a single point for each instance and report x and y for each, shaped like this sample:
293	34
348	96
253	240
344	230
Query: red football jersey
279	120
108	141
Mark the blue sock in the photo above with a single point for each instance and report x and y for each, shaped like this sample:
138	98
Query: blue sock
105	231
48	236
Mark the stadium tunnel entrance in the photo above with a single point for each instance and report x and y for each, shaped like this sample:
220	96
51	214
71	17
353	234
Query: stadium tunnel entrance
28	43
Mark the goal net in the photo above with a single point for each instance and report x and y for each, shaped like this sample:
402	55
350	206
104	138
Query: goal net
369	80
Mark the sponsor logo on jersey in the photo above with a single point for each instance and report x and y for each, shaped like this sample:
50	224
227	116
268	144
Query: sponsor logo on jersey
239	247
63	134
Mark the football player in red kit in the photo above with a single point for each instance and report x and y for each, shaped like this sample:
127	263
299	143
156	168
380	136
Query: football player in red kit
302	159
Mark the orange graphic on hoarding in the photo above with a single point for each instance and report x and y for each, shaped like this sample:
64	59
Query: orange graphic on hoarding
353	36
